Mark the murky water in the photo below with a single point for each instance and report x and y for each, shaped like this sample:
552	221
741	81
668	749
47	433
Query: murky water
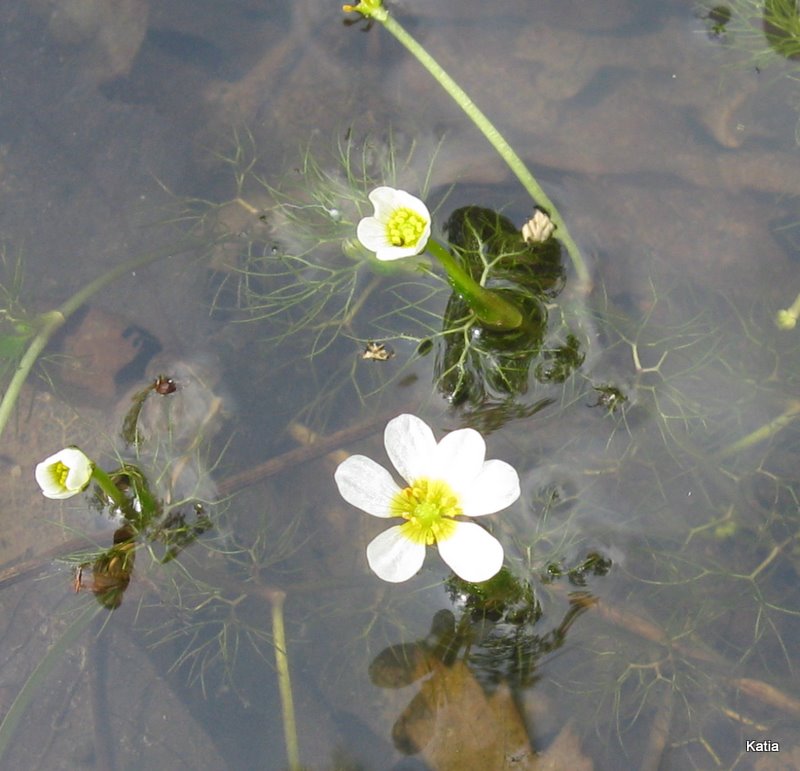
653	425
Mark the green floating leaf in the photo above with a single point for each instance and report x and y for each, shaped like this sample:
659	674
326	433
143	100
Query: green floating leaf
477	366
492	250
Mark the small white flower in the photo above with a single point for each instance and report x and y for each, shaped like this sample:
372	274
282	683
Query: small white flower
444	481
64	474
400	227
538	228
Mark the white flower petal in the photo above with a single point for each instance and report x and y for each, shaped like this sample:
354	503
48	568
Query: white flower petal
366	485
471	552
393	557
408	201
372	231
410	445
372	234
493	489
389	253
384	200
79	473
459	459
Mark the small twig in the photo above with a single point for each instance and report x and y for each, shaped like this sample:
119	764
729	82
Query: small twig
299	455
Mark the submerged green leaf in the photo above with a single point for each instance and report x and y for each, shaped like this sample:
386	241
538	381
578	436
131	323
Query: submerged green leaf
478	366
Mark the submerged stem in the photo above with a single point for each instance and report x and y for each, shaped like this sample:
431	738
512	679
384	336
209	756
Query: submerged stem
106	484
276	598
491	309
791	414
52	321
375	10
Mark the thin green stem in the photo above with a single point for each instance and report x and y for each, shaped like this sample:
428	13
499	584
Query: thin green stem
52	321
495	138
491	309
764	432
106	484
277	598
49	323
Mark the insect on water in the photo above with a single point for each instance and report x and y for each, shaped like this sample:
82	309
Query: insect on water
377	352
164	385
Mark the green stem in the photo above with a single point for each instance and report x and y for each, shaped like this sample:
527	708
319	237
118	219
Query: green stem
277	598
49	323
106	484
491	309
496	139
764	432
52	321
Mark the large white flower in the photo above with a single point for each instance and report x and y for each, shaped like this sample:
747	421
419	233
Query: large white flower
400	227
444	481
64	474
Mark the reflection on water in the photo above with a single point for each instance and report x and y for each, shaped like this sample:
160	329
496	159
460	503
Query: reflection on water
654	546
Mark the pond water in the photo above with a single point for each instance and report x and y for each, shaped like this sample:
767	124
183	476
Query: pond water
217	156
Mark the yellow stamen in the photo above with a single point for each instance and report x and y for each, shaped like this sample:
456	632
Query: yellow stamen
429	507
405	227
60	473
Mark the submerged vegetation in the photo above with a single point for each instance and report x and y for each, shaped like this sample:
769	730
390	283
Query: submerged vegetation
762	28
653	502
766	32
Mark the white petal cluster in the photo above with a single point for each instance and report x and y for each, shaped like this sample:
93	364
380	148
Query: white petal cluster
479	487
64	474
538	228
400	227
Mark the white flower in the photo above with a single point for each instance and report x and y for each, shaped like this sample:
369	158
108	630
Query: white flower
400	227
538	228
444	481
64	474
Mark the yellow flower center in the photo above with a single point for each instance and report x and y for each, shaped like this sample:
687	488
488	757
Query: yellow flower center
429	507
405	227
60	473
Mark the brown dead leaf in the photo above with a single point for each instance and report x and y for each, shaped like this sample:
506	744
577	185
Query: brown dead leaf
458	727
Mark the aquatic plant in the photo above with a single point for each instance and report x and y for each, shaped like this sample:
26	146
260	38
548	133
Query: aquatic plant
286	257
375	9
64	474
16	324
445	480
763	29
766	33
285	252
36	333
400	227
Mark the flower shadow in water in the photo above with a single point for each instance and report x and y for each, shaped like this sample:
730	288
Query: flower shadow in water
470	670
